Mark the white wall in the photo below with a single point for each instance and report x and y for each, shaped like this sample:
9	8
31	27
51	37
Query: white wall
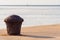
29	2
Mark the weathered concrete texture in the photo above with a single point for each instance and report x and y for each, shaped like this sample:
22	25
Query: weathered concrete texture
46	32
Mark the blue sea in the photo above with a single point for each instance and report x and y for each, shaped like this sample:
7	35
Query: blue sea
32	15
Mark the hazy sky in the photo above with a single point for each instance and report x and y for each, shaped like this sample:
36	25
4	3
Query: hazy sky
31	15
29	2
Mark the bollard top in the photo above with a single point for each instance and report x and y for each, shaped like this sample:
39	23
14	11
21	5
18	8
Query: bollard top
13	18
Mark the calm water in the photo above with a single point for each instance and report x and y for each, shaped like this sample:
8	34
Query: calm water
32	15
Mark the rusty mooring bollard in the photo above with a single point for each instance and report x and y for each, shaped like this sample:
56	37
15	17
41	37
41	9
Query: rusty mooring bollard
13	23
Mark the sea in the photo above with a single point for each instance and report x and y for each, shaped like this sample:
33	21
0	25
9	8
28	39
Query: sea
32	15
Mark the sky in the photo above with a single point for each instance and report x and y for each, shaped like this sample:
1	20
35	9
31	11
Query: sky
44	15
32	16
29	2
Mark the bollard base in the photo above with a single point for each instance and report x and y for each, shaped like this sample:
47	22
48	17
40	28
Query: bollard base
15	34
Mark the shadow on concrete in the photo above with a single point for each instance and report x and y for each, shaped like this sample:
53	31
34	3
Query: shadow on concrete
35	36
32	36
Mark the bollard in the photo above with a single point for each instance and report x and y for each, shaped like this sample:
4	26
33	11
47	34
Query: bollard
13	24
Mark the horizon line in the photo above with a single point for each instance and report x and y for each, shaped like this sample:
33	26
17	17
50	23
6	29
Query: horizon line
30	5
